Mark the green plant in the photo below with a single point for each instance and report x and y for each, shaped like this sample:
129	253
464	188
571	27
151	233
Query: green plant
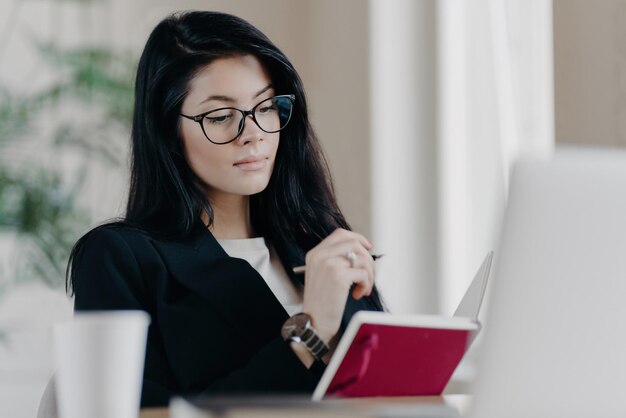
38	202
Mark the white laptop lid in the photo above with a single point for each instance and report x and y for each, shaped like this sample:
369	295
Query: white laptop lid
555	335
469	306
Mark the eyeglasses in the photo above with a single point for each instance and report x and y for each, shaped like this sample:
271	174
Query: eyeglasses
224	125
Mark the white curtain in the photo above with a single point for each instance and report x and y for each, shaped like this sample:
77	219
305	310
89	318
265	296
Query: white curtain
489	91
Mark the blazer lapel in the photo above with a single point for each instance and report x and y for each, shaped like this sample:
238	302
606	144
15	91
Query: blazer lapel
229	284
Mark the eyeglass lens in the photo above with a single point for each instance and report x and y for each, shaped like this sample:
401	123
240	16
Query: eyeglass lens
271	115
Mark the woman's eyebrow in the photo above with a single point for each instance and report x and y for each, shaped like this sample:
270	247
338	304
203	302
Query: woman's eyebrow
228	99
218	97
263	90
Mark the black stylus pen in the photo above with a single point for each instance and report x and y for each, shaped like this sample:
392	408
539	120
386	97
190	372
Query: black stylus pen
301	269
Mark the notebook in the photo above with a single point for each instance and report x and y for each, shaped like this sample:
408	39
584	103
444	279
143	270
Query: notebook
382	354
555	337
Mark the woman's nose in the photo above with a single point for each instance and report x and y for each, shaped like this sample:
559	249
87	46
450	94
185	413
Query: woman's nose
251	131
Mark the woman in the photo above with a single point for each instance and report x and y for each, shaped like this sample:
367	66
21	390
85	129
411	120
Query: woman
229	192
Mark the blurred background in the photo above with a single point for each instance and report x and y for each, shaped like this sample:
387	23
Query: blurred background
422	107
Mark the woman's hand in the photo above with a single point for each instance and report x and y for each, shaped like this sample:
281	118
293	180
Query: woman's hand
329	276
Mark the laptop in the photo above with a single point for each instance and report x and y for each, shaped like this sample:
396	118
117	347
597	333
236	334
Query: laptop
469	307
554	342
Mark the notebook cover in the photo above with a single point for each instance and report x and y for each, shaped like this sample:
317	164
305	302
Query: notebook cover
387	360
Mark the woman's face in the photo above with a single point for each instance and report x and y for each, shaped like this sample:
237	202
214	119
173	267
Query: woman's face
242	167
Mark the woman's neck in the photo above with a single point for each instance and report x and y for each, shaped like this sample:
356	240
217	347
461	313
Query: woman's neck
231	217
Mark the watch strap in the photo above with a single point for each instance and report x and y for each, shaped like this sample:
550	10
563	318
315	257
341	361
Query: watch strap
314	343
306	334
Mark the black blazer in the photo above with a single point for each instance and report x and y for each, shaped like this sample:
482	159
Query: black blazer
215	323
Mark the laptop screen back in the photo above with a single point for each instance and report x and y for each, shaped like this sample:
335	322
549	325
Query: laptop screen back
555	336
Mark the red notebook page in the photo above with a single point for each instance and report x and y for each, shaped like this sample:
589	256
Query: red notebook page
386	360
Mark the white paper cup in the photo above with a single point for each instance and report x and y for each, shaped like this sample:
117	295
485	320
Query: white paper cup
100	358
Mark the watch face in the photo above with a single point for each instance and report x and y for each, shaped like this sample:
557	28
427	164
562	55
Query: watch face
295	326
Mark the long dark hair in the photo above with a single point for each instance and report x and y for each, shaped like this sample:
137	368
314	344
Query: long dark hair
298	207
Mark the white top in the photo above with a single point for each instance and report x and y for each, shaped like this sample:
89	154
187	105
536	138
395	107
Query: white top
266	262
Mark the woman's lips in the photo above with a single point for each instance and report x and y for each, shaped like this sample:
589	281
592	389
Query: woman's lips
251	164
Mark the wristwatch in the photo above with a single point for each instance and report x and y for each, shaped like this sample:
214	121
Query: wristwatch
298	328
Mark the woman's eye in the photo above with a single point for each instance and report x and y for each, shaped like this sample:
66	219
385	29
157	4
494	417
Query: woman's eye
266	109
218	119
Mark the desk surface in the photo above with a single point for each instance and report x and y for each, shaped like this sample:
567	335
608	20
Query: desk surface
154	413
460	402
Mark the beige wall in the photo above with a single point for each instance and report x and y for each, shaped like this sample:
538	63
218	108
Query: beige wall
590	72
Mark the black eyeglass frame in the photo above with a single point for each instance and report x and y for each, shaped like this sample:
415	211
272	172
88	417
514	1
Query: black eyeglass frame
199	118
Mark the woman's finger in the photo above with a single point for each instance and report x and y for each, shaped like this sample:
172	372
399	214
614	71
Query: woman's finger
340	234
362	258
356	256
360	279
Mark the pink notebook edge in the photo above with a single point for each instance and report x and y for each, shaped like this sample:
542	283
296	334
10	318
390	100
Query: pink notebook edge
395	320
